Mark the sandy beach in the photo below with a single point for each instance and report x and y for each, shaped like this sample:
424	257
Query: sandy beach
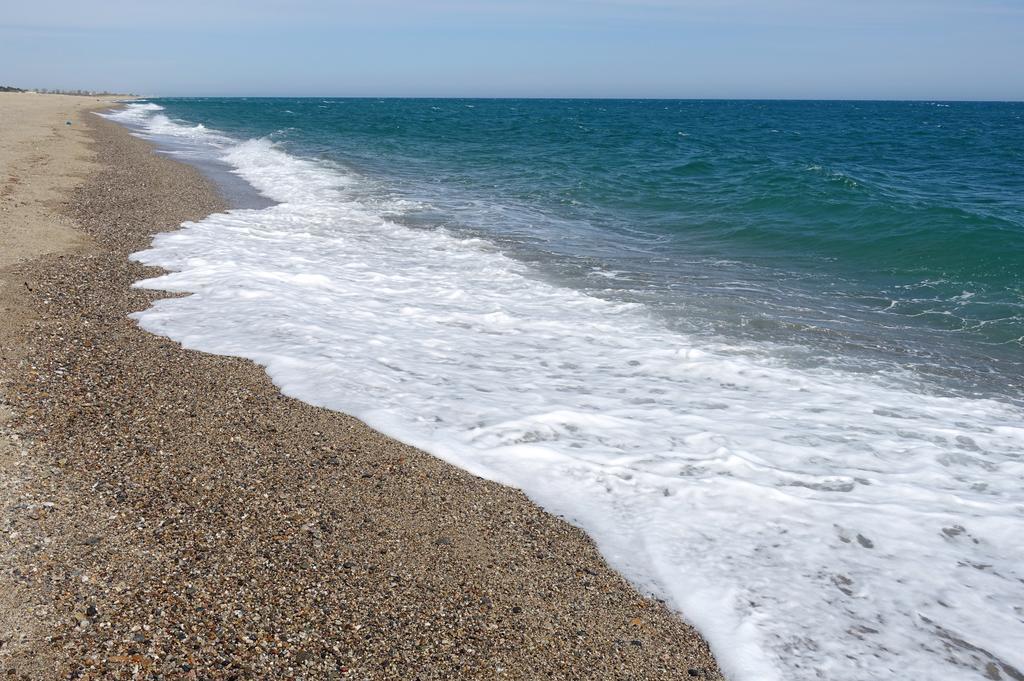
169	514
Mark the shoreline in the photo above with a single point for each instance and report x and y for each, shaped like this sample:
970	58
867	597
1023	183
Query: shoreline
191	521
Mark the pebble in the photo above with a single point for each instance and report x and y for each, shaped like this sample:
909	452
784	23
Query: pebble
197	486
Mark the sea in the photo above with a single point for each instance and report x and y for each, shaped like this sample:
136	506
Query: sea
769	355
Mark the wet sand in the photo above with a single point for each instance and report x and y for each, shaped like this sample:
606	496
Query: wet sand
169	514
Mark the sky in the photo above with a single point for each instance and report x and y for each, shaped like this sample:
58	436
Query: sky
786	49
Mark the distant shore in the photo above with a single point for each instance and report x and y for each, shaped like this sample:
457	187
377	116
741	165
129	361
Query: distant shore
169	513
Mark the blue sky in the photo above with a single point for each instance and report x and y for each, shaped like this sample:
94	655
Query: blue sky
861	49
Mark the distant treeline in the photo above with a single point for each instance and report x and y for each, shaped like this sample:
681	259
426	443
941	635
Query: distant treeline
80	93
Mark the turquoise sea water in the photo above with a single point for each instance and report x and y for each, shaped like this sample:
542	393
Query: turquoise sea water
767	354
880	236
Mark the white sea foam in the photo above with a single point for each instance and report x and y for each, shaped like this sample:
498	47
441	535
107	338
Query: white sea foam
812	524
148	117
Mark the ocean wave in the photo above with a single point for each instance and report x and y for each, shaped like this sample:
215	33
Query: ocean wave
811	523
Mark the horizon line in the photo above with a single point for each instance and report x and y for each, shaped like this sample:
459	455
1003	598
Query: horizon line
598	98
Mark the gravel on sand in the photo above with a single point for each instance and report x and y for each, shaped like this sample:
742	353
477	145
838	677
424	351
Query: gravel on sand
172	515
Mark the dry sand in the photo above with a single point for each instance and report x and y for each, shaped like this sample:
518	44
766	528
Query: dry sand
169	514
41	159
